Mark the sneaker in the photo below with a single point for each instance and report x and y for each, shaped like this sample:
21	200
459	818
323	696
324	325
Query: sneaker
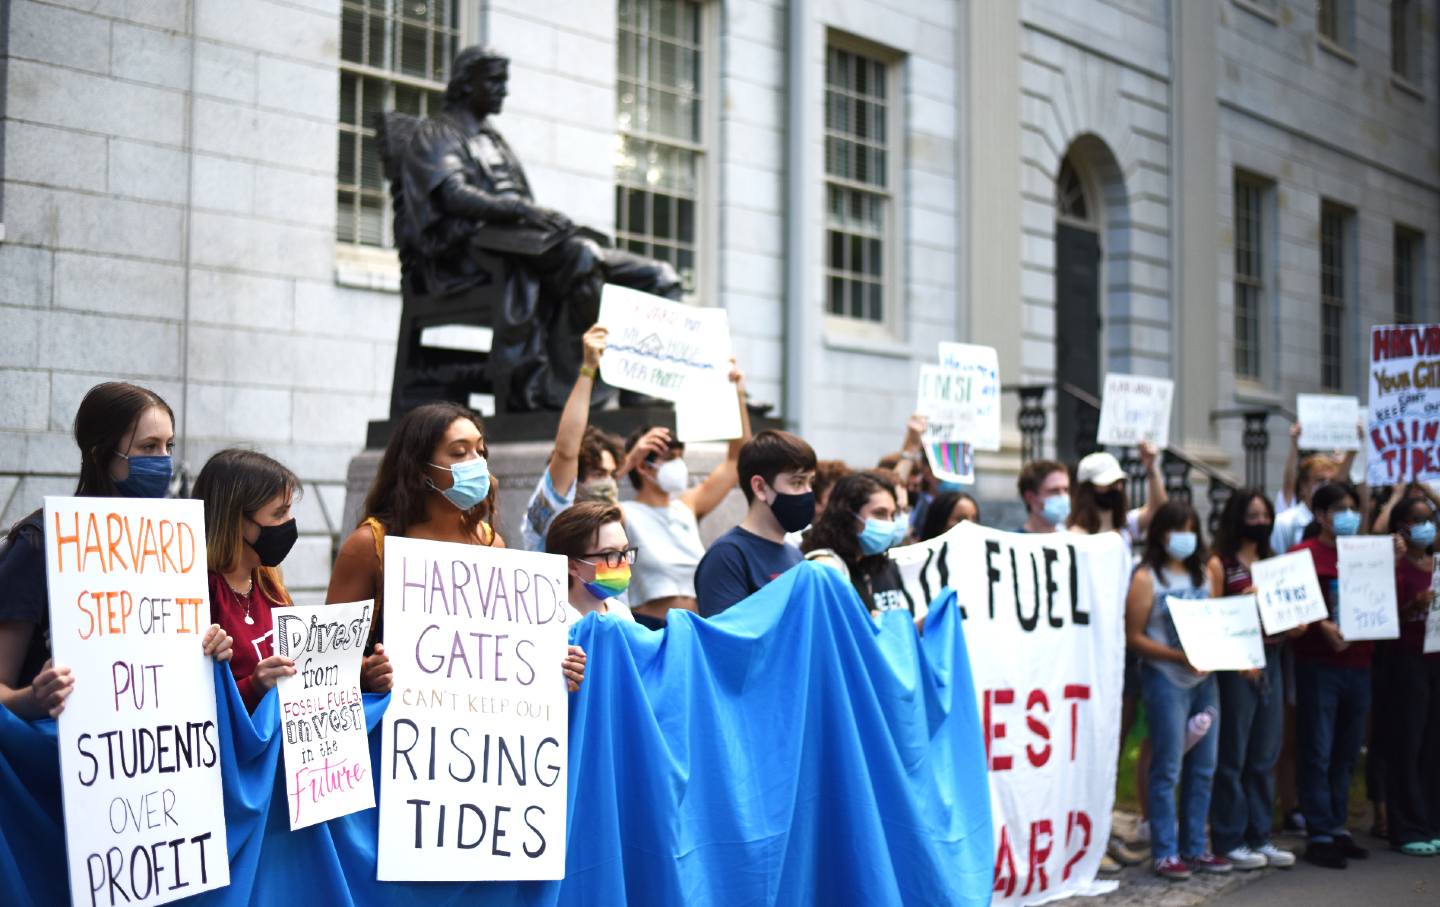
1245	859
1294	822
1274	856
1208	862
1122	854
1172	868
1108	866
1350	849
1324	853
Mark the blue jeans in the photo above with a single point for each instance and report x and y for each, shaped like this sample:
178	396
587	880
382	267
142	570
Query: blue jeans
1244	796
1168	708
1330	707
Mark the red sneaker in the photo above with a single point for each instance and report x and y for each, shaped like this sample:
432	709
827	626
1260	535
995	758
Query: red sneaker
1172	868
1208	862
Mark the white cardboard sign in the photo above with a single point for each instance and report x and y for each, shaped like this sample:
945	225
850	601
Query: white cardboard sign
961	397
1135	409
663	348
322	714
1367	588
713	414
139	746
1219	634
475	747
1328	422
1432	617
1288	591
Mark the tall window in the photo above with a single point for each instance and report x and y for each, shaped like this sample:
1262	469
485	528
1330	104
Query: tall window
659	131
1332	21
1333	223
858	193
394	55
1408	245
1249	274
1405	39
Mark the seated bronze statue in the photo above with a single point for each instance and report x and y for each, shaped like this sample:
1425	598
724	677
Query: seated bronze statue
475	248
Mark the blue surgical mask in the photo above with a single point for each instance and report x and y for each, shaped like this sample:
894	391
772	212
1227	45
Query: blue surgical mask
1422	534
1180	545
1346	522
1056	509
902	529
149	476
879	536
470	483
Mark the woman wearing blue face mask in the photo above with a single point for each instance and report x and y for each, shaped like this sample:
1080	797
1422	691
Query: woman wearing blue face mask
433	483
1332	691
1173	567
125	433
855	530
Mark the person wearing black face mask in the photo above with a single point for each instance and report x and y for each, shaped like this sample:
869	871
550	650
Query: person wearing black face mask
248	533
1099	500
776	469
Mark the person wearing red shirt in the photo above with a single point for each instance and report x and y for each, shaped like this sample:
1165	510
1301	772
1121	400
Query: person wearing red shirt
1332	691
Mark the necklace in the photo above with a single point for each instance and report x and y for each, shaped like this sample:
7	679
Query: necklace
244	596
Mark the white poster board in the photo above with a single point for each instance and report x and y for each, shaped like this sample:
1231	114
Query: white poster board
1367	588
660	347
1432	616
1288	591
1219	634
713	414
962	398
129	607
1044	626
951	461
1135	409
475	745
1328	422
322	715
1403	437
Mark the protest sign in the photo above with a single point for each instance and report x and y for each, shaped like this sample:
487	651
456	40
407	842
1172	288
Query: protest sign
1328	422
475	740
951	461
139	748
322	715
712	414
1367	588
1135	409
1432	614
961	397
1044	626
1219	634
663	348
1403	439
1288	591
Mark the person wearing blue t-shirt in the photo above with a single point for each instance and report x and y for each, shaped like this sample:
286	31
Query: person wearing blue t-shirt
776	470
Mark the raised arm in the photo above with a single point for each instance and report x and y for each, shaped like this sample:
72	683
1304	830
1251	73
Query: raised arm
1155	495
706	496
565	461
911	447
1292	461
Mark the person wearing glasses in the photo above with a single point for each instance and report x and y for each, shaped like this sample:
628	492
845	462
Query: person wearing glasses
592	536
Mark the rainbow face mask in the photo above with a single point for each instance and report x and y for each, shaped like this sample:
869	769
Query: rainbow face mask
609	581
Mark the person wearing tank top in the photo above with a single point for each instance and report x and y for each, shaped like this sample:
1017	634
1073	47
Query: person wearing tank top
1172	567
1242	801
663	520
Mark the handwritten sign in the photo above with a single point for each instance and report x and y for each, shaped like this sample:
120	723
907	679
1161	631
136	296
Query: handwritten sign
1328	422
475	741
1367	588
1135	409
1219	634
139	747
322	715
711	414
951	461
1288	591
962	396
662	348
1432	616
1403	440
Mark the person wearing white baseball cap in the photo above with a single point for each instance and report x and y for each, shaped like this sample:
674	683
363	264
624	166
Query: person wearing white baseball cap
1099	500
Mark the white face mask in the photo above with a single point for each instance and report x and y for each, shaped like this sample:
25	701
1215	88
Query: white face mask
673	476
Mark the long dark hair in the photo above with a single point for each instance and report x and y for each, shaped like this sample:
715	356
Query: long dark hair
1324	498
398	496
234	484
937	514
108	413
1230	534
1174	516
1085	501
835	528
1403	513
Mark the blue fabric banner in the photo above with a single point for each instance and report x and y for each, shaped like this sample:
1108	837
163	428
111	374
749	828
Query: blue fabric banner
789	751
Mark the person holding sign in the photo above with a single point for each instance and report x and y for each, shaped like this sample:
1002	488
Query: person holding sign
1410	721
1253	702
663	520
1332	691
858	526
248	533
125	434
1173	567
433	483
1100	502
592	535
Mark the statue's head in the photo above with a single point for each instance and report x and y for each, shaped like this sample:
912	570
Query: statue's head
477	80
